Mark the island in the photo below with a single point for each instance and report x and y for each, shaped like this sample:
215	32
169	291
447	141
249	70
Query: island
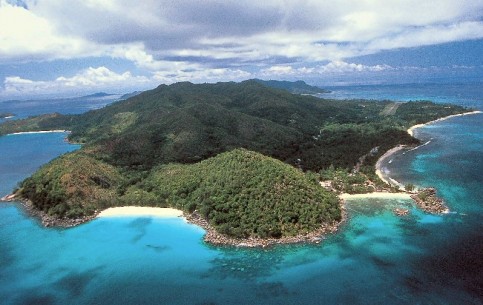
243	160
6	115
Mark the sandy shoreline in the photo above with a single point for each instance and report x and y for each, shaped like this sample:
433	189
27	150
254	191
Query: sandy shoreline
412	128
140	211
379	170
410	131
33	132
383	195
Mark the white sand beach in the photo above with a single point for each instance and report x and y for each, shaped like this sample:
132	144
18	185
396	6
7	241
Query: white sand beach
412	128
379	172
140	211
383	195
41	131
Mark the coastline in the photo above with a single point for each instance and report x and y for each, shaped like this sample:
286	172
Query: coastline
411	130
384	195
380	171
211	236
135	211
40	131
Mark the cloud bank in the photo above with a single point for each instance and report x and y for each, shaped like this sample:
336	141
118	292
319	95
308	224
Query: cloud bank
211	39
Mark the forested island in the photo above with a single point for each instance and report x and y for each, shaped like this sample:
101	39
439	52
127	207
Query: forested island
244	159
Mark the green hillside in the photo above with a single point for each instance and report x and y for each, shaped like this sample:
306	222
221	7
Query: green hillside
72	185
187	123
241	193
245	194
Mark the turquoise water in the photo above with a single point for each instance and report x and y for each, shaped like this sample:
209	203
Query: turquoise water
376	258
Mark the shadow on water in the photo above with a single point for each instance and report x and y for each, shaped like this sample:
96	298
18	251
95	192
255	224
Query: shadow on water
140	226
158	249
37	299
457	264
75	283
272	290
8	258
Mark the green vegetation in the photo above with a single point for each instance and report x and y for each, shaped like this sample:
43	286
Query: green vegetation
409	187
187	123
243	194
72	185
157	148
30	124
343	181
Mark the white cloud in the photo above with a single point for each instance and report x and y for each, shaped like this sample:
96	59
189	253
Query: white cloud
333	67
201	75
151	30
26	35
87	80
102	78
429	35
210	40
279	70
343	67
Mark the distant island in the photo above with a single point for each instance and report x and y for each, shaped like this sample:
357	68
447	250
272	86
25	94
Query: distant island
6	115
97	95
129	95
243	160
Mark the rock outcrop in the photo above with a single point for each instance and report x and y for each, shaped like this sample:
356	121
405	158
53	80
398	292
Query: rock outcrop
427	200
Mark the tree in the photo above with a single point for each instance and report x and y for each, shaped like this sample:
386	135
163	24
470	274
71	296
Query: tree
409	187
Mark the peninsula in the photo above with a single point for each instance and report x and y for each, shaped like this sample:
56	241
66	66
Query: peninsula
6	115
243	160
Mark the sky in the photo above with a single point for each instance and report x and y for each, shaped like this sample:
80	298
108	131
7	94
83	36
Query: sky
58	47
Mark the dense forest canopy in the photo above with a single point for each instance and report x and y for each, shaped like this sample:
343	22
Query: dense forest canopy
187	123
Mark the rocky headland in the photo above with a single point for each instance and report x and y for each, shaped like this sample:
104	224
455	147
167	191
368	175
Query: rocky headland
427	200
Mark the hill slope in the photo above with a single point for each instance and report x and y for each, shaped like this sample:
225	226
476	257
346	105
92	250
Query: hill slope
245	194
188	123
240	193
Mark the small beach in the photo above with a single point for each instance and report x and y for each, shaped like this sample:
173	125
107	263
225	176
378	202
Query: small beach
140	211
379	170
382	195
34	132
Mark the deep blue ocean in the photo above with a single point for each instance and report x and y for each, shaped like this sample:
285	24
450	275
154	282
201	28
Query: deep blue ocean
375	258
